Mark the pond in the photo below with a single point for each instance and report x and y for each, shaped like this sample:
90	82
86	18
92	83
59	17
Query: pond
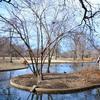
10	93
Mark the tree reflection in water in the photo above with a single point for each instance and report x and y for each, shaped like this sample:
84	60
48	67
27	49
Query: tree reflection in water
75	96
6	94
98	92
39	97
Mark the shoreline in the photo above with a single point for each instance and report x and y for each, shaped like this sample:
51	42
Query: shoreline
58	60
18	63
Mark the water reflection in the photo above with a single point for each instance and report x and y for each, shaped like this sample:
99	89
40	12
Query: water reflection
60	68
9	93
88	95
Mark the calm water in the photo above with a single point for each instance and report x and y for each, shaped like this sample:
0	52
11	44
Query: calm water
9	93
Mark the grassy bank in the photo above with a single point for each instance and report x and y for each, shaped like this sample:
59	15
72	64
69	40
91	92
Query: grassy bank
18	62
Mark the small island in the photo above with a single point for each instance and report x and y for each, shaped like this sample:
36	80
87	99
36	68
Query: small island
59	83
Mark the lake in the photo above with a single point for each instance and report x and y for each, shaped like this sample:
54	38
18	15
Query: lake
10	93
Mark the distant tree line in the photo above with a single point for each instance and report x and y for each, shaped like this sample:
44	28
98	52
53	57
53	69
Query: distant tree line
6	50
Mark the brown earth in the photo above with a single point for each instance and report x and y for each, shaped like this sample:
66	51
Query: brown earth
59	83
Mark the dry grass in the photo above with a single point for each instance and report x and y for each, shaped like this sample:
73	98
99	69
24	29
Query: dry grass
59	60
59	83
5	65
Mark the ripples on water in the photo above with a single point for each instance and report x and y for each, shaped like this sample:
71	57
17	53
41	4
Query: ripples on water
9	93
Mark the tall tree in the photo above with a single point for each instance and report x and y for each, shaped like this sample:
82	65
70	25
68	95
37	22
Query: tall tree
41	25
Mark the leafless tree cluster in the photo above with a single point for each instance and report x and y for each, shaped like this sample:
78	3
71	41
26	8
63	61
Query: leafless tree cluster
42	25
6	50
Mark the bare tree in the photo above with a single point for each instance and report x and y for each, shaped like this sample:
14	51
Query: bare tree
32	22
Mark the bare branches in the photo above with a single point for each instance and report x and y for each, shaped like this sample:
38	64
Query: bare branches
88	13
8	1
